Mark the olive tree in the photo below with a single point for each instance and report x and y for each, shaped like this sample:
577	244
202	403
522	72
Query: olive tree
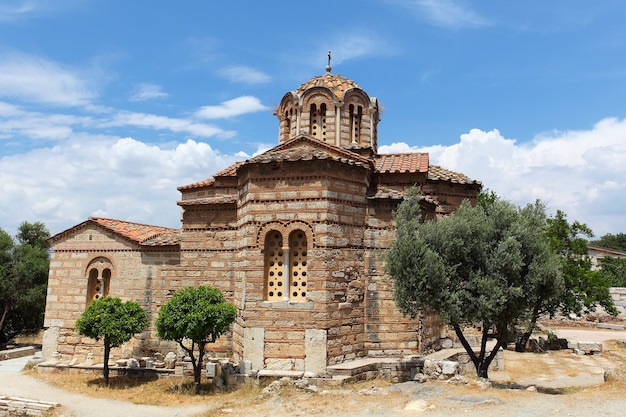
584	287
193	317
480	267
114	321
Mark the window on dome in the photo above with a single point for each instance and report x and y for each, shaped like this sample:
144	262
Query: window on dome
317	127
288	117
356	115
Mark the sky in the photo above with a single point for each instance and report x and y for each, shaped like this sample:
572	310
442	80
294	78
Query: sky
107	106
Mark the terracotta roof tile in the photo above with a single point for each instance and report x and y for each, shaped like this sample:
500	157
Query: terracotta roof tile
402	163
438	173
291	151
230	171
336	83
143	234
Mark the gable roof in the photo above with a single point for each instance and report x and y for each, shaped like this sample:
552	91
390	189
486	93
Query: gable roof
300	148
305	148
139	233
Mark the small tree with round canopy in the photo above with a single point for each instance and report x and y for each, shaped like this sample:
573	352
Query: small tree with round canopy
193	317
114	321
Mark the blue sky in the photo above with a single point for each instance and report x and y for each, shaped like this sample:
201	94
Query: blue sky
107	106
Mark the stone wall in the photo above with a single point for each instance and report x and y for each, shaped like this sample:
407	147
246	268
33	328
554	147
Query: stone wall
619	299
136	275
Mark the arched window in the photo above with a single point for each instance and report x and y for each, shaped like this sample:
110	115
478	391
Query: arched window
98	279
274	267
298	266
286	268
356	115
288	123
318	121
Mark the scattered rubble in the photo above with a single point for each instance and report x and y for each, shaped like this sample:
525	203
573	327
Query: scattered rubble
24	406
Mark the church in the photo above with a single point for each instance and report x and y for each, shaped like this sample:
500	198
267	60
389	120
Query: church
294	237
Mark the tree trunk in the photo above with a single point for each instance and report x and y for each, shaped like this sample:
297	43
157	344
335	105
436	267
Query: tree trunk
4	315
197	369
105	368
520	345
482	361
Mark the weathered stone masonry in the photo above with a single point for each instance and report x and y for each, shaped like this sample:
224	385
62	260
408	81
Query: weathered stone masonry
294	237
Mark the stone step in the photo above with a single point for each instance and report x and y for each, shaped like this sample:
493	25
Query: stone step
17	352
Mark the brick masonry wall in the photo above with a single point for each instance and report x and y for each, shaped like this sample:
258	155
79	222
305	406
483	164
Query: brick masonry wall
135	276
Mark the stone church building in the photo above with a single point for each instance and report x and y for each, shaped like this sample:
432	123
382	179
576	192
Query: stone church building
294	238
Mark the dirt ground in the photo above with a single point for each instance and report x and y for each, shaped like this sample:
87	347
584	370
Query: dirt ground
558	383
555	383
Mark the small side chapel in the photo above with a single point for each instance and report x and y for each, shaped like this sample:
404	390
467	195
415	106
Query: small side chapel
294	238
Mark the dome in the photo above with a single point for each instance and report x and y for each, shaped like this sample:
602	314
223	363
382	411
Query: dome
337	84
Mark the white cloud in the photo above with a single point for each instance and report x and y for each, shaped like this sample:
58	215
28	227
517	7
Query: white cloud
33	79
353	45
235	107
447	13
121	178
153	121
582	173
244	75
14	10
147	91
17	123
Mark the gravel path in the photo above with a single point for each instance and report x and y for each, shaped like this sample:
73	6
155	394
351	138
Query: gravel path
15	384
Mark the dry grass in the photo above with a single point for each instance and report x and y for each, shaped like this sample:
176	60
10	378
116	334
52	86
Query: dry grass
161	392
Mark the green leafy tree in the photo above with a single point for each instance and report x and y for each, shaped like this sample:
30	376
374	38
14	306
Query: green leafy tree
24	265
193	317
614	270
481	267
113	321
585	288
616	241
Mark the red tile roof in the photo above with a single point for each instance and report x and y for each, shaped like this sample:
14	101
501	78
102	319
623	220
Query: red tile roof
402	163
292	151
143	234
230	171
437	173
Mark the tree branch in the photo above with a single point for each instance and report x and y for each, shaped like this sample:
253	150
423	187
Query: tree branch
465	344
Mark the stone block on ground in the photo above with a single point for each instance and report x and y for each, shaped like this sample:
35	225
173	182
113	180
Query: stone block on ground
590	347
